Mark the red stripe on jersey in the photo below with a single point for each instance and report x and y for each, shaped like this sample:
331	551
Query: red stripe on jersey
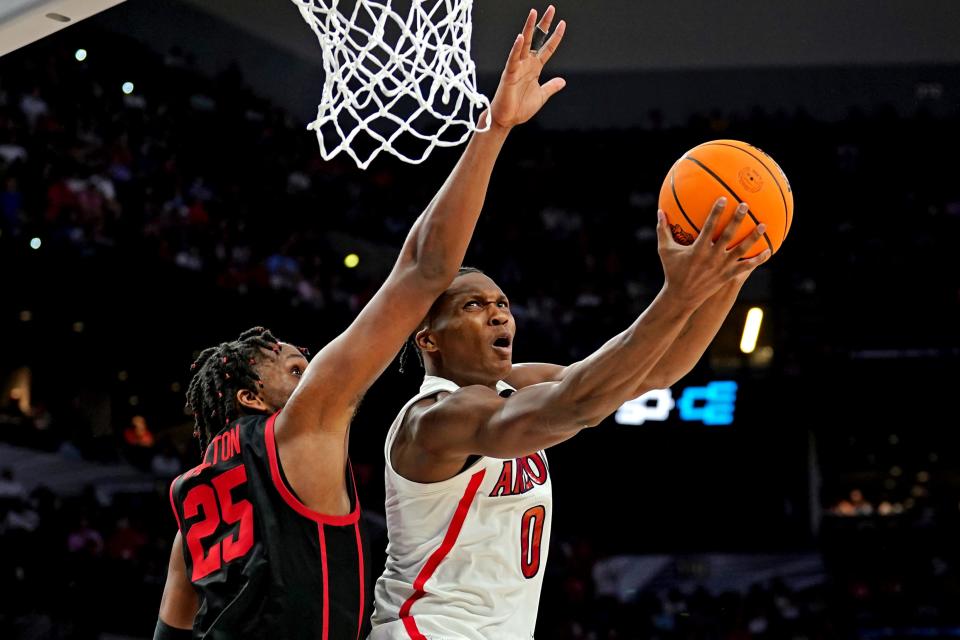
326	585
290	499
412	630
356	528
173	503
450	539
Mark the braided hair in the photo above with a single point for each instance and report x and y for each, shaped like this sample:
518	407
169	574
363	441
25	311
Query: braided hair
218	374
411	343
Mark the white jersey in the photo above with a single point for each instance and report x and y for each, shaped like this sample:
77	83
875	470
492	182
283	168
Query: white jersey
466	556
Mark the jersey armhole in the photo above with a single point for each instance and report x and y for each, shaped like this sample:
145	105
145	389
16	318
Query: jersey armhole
470	466
391	438
406	414
276	475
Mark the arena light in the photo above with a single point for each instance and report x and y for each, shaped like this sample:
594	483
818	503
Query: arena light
17	389
751	330
127	88
80	55
351	261
35	243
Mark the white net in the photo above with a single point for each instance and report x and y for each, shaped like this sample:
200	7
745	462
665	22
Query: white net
398	79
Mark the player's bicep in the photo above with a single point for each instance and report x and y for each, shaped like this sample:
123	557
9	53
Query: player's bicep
476	421
179	604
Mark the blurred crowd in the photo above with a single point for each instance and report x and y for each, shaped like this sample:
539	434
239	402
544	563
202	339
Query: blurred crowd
76	566
200	175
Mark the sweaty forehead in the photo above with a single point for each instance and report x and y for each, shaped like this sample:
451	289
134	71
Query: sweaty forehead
473	283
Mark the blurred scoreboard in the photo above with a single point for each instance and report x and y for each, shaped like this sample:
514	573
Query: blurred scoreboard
712	404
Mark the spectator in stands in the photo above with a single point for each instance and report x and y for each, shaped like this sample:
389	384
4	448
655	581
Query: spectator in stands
84	539
138	434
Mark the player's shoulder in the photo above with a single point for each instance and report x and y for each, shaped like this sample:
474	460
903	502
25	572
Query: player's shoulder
462	397
530	373
185	480
446	405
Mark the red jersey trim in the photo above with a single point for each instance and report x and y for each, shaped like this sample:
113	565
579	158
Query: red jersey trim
290	499
363	595
173	503
326	586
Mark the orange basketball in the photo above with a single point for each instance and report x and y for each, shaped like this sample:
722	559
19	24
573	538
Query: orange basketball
741	173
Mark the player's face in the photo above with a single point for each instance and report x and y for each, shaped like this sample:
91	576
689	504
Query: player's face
472	331
280	373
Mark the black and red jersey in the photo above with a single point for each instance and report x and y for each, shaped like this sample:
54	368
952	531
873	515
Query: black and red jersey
263	563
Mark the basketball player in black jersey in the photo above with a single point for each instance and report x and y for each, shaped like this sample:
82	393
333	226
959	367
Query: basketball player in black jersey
269	542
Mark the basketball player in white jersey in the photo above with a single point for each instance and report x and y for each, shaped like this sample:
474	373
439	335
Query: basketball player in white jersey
467	482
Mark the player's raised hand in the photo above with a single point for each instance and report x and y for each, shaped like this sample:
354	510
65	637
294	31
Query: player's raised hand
520	94
697	271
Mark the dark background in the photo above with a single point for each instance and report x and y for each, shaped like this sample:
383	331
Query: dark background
179	216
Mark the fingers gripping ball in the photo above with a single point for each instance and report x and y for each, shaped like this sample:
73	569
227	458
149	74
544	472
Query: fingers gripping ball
739	172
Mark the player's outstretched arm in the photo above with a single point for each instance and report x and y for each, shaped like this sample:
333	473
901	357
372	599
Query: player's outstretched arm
682	356
314	423
475	420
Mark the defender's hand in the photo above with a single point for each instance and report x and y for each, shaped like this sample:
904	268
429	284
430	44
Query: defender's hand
520	94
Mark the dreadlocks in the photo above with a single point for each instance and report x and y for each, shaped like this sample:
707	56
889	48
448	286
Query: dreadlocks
218	374
411	343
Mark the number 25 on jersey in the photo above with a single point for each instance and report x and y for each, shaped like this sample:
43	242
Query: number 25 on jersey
215	504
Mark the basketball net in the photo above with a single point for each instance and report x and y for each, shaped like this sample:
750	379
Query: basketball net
403	84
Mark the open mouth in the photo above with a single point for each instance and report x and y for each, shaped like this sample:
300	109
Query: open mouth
502	342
